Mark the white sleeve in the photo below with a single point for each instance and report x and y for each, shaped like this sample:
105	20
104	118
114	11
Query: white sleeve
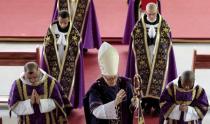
46	105
106	111
176	113
191	114
23	108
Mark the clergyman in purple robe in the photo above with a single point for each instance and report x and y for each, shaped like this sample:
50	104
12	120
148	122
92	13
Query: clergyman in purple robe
84	19
136	9
62	57
110	100
36	98
151	56
183	101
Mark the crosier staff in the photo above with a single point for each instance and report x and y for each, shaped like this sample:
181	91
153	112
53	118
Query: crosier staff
137	97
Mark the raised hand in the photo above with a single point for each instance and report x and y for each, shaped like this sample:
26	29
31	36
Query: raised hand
119	97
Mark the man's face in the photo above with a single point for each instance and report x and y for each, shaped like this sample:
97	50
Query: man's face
152	15
32	76
110	80
63	22
187	85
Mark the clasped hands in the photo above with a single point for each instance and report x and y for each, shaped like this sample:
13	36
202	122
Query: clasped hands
35	98
183	107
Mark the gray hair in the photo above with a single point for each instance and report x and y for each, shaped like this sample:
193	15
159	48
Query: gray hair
152	6
188	76
30	66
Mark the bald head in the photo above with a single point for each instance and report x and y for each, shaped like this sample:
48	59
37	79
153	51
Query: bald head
151	11
187	80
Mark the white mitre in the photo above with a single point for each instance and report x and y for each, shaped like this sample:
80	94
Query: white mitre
108	59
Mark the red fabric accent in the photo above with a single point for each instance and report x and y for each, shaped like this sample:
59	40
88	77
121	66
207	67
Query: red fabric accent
145	2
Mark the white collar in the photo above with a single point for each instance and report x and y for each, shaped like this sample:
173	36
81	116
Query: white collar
61	39
42	78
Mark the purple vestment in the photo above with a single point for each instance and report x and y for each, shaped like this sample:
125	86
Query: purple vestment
68	72
48	89
174	95
100	93
86	23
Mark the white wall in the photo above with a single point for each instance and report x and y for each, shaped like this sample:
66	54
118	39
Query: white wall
9	73
184	55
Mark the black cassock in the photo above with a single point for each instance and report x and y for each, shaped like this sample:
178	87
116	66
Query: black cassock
100	93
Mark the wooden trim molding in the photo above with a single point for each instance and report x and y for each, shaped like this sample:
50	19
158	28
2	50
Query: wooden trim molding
19	58
21	39
200	61
191	40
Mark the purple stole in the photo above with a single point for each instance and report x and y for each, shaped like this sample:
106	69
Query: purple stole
153	73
